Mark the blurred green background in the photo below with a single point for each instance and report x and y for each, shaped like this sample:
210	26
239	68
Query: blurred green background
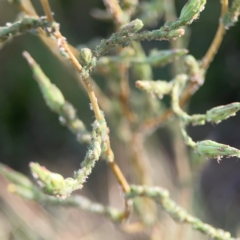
30	132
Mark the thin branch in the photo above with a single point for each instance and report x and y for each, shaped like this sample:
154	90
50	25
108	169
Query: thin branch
27	8
25	25
213	49
171	15
91	94
123	40
151	124
115	10
118	174
56	102
161	196
61	39
22	186
125	92
87	205
47	10
120	18
154	59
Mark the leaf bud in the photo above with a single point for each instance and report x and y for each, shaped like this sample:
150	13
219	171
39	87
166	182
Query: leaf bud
85	56
211	149
191	10
52	183
175	33
221	113
159	88
132	27
53	97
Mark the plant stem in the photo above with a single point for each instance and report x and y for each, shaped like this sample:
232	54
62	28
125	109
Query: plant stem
47	10
125	92
59	36
24	25
151	124
171	15
22	186
118	174
120	177
161	196
115	10
207	59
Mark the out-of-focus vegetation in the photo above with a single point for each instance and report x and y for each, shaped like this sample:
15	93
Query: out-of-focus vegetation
148	150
